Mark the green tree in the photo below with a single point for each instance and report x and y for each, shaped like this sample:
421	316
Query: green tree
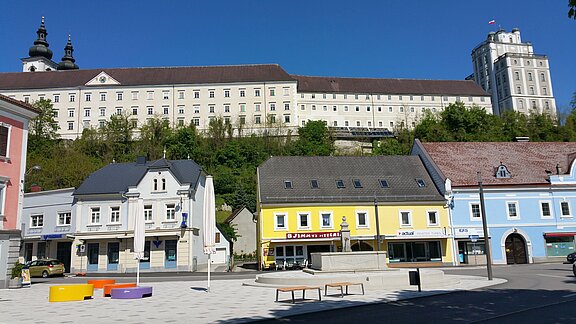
314	139
572	10
43	128
153	137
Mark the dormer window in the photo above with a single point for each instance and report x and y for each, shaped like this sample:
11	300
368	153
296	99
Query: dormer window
420	183
502	172
384	183
357	183
314	184
340	184
287	184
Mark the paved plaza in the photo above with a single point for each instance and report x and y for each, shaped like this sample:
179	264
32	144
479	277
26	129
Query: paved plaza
229	301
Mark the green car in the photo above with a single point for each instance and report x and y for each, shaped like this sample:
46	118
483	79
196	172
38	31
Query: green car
45	268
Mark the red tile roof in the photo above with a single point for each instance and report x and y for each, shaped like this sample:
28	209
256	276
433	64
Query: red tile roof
527	162
19	103
146	76
392	86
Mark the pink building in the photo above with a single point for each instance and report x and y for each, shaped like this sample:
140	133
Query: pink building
14	118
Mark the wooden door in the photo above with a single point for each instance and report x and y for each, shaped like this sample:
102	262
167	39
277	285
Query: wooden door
515	249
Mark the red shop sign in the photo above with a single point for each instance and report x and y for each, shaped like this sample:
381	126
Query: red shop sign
313	235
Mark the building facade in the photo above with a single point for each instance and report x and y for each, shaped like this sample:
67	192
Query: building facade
14	124
167	193
302	201
517	79
529	197
243	222
251	98
48	225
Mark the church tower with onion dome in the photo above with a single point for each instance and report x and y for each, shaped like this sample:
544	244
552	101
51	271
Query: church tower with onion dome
40	56
68	61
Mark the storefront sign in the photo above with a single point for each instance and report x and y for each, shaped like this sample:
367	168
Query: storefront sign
314	235
465	232
51	236
420	233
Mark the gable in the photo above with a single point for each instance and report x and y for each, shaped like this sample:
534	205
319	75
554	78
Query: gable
102	79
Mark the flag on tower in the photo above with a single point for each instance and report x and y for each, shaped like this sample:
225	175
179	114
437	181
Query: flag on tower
492	22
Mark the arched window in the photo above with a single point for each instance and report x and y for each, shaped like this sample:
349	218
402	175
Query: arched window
155	184
163	184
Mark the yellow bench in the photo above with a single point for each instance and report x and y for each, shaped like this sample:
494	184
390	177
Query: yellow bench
65	293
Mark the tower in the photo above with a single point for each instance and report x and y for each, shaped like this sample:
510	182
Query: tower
67	62
40	56
516	78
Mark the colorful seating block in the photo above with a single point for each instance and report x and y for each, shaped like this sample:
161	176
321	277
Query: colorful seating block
65	293
131	293
100	283
107	288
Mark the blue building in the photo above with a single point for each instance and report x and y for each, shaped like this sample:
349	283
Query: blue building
530	196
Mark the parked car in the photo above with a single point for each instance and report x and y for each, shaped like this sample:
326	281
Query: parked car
574	269
571	257
45	268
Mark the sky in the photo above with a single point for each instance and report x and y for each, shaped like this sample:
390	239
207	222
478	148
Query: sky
376	39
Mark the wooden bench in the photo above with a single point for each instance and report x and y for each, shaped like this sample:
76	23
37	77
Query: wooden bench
341	285
131	293
107	288
65	293
100	283
296	288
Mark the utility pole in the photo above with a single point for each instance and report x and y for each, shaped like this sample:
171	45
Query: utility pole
377	223
485	227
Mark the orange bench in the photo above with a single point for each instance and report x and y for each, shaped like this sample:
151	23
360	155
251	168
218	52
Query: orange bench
108	288
100	283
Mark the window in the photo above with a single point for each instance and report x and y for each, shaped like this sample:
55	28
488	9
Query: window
181	94
196	94
118	110
211	109
257	107
325	220
134	95
432	218
272	92
36	221
529	76
64	218
420	183
565	207
475	211
512	208
287	119
242	93
340	184
531	90
545	210
405	219
211	93
147	213
286	92
95	215
288	184
286	106
150	95
280	222
71	97
103	96
272	106
384	183
165	95
242	107
87	112
226	93
56	98
542	77
357	183
314	184
256	92
181	110
119	96
518	91
217	238
361	219
170	212
196	122
544	91
134	111
115	214
71	113
303	220
150	110
4	131
88	97
70	125
163	184
257	120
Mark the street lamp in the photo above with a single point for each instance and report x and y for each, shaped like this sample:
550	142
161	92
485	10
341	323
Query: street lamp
485	227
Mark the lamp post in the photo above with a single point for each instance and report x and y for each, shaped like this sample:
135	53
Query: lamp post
377	223
485	227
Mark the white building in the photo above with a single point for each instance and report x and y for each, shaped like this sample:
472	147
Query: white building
252	98
517	79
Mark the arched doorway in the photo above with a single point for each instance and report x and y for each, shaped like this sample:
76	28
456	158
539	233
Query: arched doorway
361	246
515	249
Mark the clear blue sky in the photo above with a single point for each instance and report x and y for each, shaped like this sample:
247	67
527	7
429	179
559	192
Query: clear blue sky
384	39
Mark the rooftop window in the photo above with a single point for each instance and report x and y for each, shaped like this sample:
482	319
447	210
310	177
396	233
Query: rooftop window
357	183
287	184
421	183
340	184
314	184
384	183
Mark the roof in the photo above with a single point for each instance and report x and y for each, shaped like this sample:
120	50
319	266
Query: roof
117	177
527	162
236	213
146	76
20	104
394	86
401	173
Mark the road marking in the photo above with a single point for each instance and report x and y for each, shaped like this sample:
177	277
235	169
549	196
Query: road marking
570	295
553	276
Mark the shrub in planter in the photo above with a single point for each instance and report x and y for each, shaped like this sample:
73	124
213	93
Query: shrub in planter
17	270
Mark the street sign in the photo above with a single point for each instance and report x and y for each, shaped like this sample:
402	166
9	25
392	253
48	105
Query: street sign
474	238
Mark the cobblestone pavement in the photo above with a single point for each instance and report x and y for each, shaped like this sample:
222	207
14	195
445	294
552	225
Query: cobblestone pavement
229	301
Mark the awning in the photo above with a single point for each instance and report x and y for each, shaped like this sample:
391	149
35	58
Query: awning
561	234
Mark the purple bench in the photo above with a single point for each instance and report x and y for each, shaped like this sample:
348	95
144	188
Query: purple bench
131	293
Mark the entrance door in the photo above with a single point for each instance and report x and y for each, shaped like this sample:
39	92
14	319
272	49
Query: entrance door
113	256
170	254
64	253
515	249
93	253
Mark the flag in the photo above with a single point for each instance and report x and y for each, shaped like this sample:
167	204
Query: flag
492	22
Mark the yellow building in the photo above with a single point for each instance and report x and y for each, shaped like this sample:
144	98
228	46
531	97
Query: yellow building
302	202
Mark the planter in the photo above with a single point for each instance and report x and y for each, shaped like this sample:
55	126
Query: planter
15	283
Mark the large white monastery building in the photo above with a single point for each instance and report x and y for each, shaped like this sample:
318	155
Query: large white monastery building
252	98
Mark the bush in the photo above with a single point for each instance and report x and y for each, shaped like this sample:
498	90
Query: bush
17	270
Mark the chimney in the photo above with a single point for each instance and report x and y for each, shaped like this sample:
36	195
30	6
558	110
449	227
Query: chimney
35	188
558	169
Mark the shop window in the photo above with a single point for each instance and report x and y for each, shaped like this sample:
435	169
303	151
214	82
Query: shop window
415	251
559	245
